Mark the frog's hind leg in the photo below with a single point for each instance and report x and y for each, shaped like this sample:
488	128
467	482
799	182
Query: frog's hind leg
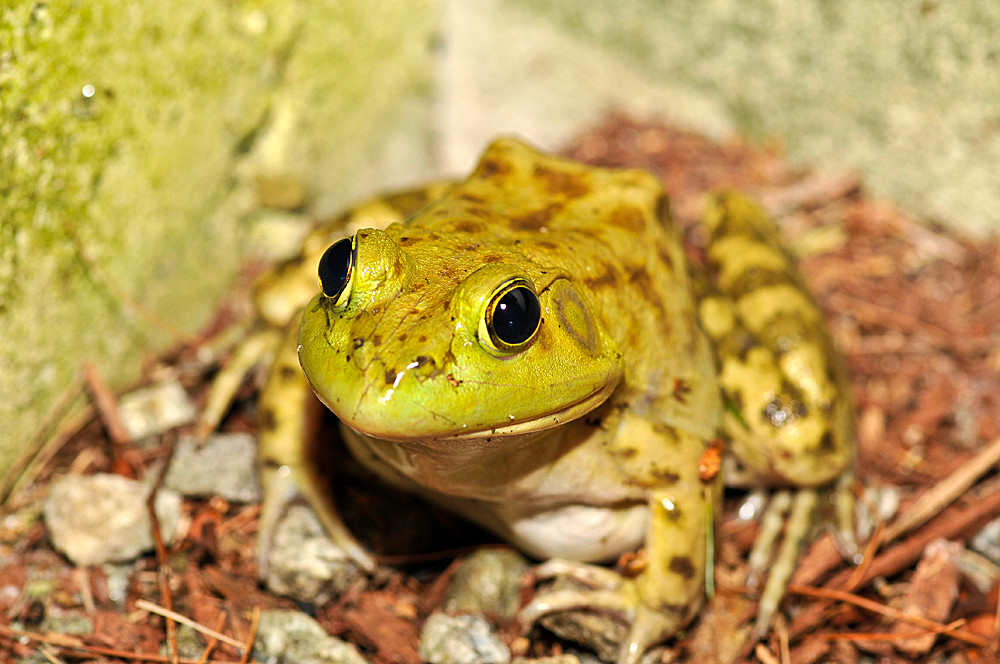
788	411
289	417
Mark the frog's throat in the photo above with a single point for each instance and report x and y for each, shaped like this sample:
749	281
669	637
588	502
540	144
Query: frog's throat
549	420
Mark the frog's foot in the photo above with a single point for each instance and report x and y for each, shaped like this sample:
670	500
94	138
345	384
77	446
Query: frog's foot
282	489
802	504
792	510
607	592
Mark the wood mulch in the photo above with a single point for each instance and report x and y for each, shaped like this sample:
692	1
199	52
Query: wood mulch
915	311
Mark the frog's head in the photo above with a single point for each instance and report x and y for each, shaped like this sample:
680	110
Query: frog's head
420	334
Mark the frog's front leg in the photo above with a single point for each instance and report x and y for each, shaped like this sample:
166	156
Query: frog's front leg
289	416
668	589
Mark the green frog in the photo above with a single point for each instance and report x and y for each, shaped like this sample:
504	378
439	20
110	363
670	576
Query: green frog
530	349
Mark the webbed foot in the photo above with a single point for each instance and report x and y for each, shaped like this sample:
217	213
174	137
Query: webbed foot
616	597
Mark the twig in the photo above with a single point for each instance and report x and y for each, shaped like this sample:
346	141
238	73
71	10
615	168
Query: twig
60	641
162	564
948	522
889	612
765	655
869	636
954	522
48	438
146	605
945	491
782	631
47	653
813	191
107	408
82	579
213	640
871	548
245	516
254	622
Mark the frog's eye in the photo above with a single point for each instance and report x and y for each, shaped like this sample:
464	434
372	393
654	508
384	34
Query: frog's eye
336	270
511	319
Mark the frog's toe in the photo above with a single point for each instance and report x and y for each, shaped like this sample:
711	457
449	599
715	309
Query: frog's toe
591	576
279	492
772	522
605	601
649	628
284	486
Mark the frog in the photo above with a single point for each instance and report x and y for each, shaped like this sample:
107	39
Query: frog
532	349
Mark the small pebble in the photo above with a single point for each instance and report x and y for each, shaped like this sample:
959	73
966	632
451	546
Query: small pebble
68	624
488	582
190	644
95	519
463	639
304	563
155	409
292	636
885	500
223	465
987	541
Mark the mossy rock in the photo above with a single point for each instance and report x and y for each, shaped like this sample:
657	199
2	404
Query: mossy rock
131	139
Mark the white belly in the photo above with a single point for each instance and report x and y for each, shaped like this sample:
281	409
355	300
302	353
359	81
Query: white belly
578	532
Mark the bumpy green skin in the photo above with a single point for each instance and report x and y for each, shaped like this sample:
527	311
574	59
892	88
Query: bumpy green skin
587	442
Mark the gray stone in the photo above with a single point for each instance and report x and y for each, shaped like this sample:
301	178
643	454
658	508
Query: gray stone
103	518
155	409
223	465
190	644
885	500
987	541
292	636
464	639
304	563
488	582
68	624
62	625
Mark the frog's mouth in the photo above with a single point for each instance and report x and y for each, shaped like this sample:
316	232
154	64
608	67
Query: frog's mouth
549	420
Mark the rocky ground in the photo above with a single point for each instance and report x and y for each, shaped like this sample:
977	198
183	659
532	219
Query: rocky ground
915	311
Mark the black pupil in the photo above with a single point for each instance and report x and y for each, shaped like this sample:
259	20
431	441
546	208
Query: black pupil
335	267
516	316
